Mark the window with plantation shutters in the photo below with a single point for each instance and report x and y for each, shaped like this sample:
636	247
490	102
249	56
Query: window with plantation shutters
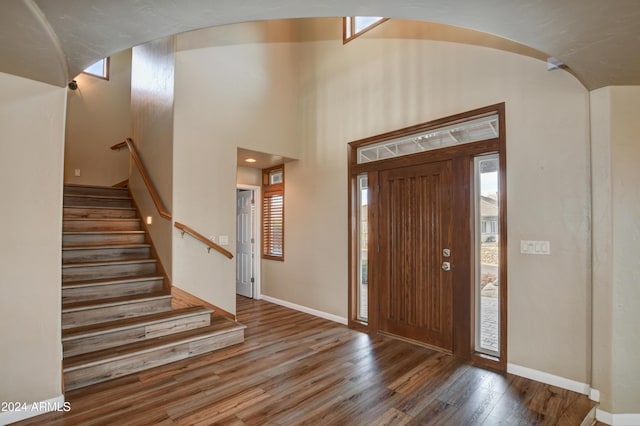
273	213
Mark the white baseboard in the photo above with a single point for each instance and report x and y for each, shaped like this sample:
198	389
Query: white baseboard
590	418
28	410
594	395
550	379
631	419
304	309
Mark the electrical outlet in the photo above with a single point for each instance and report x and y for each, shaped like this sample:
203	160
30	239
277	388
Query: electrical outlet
76	172
224	240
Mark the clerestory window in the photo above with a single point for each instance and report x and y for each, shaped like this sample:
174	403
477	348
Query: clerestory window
100	69
354	26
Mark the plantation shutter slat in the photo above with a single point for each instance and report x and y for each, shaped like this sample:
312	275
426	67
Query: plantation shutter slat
273	221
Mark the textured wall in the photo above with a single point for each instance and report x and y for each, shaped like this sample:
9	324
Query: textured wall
616	233
31	152
152	93
99	116
226	96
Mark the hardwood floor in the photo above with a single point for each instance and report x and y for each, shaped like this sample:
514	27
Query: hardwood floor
294	368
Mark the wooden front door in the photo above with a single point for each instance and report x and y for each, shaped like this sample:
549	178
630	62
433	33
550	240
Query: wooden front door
415	229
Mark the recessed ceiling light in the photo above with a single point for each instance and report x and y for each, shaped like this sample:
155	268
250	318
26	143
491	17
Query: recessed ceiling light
250	160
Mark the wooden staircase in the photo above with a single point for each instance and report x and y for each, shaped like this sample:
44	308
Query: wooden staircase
117	315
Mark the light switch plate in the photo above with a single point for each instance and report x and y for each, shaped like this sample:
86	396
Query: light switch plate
224	240
535	247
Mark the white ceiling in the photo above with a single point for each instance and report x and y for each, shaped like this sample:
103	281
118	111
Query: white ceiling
53	40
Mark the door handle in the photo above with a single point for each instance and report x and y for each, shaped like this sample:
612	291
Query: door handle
446	266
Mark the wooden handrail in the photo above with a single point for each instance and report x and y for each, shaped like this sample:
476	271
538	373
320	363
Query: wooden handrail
145	177
128	143
203	239
122	144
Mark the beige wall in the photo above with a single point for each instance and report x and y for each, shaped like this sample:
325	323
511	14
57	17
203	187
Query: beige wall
616	232
346	92
373	86
602	238
249	176
226	96
152	94
625	178
99	116
32	118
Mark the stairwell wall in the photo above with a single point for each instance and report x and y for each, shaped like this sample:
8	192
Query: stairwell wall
152	94
98	117
240	91
32	120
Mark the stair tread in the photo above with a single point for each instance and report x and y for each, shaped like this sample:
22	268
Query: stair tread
108	263
117	280
126	323
148	345
107	246
99	197
81	185
102	219
73	206
101	232
92	304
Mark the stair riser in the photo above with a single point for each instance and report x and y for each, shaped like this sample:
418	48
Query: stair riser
117	338
71	295
82	273
98	213
76	200
88	190
111	313
93	255
89	225
138	362
98	239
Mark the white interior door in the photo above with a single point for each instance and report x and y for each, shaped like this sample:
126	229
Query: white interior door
244	243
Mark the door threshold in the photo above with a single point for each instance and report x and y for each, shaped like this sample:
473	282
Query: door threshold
415	342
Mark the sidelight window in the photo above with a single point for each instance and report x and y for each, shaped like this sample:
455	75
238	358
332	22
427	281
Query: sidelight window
363	253
487	248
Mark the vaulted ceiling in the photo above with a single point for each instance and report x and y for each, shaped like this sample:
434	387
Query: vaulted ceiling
53	40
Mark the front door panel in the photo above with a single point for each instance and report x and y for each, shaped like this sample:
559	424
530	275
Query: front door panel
415	234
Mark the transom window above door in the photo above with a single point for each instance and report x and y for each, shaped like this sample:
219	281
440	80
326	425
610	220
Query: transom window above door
475	129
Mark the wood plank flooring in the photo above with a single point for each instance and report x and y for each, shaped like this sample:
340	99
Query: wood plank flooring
294	368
